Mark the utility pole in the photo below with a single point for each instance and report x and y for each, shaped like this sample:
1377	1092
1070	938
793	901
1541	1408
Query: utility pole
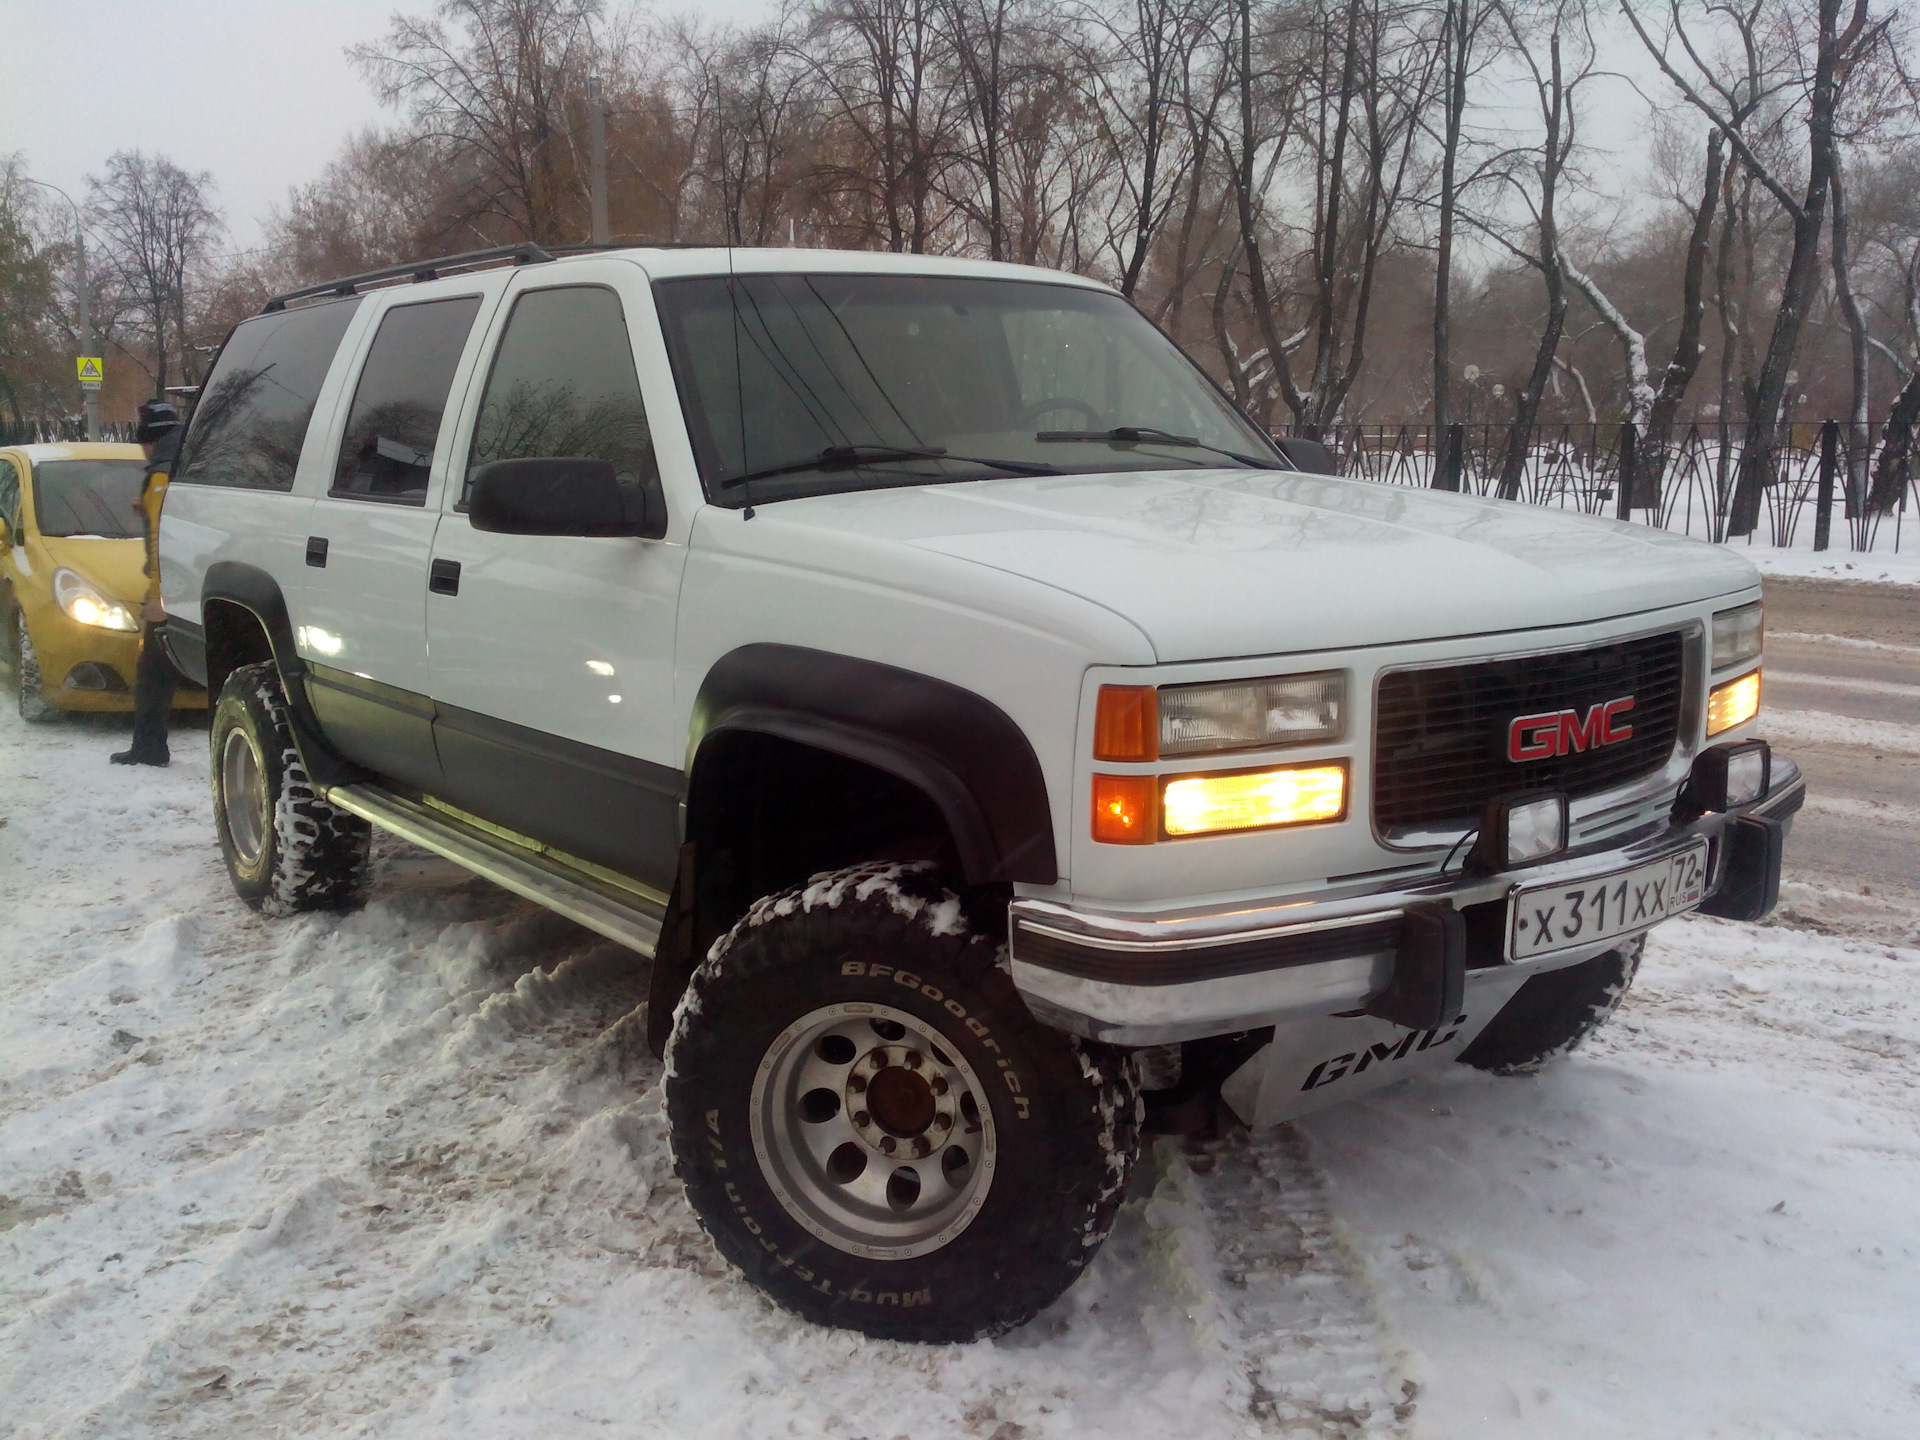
91	398
597	140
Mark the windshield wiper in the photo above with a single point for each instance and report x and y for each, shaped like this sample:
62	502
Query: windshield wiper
849	457
1147	435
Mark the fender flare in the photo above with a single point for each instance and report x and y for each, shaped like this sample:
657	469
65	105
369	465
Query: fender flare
962	751
252	589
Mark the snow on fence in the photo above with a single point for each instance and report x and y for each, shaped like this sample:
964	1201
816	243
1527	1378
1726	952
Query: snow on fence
1698	481
67	429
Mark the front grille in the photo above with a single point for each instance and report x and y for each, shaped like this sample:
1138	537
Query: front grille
1440	735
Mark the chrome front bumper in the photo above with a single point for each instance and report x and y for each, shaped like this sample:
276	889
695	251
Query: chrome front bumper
1133	978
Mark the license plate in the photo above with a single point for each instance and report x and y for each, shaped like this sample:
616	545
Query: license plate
1543	919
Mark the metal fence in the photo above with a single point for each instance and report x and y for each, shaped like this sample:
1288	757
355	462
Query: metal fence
67	429
1715	482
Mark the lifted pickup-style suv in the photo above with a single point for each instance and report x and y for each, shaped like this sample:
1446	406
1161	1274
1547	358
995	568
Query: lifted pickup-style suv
975	718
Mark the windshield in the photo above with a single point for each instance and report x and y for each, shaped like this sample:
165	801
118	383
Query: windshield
852	382
89	497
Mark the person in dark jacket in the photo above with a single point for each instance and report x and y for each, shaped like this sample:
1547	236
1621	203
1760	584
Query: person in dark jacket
153	680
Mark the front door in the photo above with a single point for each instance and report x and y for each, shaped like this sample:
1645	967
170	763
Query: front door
552	657
362	622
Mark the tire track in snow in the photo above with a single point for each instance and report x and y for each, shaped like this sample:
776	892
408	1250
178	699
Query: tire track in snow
1308	1336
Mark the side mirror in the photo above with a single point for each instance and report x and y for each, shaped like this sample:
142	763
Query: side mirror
1308	455
564	496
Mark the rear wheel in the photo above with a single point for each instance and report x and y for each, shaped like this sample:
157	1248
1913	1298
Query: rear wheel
286	848
29	690
1552	1014
872	1126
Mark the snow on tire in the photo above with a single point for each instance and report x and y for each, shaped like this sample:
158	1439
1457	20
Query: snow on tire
28	684
1552	1013
873	1128
286	848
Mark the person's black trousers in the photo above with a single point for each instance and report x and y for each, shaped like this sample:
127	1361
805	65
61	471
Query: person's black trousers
153	686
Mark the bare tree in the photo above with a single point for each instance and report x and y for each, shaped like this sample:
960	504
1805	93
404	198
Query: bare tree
159	225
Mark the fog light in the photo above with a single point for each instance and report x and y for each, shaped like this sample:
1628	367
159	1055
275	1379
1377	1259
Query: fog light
1519	830
1728	776
1734	703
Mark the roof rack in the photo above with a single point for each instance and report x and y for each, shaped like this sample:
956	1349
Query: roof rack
524	253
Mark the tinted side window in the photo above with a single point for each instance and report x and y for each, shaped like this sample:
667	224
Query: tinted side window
401	395
10	500
252	418
563	384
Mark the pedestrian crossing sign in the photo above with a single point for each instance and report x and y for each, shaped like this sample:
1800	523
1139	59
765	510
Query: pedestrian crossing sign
91	371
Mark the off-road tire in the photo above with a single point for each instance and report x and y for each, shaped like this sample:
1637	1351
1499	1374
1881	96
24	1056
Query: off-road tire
308	854
1552	1014
1065	1114
29	689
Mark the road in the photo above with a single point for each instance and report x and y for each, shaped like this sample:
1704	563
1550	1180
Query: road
1851	651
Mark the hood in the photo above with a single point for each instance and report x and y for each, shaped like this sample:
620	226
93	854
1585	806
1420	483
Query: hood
1216	563
116	566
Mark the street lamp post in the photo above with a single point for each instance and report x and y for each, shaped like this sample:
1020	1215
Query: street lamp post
90	398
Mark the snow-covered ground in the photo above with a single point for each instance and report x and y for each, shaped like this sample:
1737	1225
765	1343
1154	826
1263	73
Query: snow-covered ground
404	1173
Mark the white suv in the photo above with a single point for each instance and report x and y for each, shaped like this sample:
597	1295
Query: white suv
977	721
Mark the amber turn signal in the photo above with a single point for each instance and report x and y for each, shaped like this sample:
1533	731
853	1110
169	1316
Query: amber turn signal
1126	724
1123	809
1734	703
1254	800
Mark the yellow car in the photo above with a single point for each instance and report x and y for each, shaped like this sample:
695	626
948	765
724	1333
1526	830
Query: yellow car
72	552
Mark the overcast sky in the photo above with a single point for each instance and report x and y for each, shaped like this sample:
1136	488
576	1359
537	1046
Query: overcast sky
260	92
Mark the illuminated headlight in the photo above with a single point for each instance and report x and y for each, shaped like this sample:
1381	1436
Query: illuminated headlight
1737	635
1253	800
1252	714
85	605
1734	703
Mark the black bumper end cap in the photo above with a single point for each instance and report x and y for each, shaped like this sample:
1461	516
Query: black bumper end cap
1429	980
1750	876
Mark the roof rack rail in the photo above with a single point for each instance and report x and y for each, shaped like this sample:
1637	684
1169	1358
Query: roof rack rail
524	253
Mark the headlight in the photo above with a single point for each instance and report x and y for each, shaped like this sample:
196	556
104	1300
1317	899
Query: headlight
85	605
1252	714
1737	635
1296	795
1734	703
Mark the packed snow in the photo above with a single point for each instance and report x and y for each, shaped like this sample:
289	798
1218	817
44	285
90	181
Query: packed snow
404	1172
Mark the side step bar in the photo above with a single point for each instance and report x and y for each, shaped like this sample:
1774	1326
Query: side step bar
605	909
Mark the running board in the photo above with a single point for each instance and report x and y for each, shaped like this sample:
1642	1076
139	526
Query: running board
605	909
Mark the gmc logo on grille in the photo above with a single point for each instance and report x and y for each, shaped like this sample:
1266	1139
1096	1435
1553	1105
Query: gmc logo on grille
1565	732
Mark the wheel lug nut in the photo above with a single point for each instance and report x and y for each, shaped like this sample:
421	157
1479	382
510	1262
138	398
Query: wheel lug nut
920	1146
860	1117
888	1144
911	1060
939	1085
857	1084
945	1122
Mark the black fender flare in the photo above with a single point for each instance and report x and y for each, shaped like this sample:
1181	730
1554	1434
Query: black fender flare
961	750
232	582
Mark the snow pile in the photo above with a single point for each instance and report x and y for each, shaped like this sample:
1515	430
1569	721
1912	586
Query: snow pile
403	1172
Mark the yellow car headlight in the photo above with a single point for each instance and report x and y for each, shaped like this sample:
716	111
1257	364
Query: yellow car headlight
1253	800
83	603
1734	703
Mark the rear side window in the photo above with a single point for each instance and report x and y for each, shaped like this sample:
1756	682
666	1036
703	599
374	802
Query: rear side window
251	419
563	384
10	500
387	451
89	497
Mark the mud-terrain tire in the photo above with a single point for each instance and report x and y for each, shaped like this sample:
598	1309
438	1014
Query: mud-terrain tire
286	849
854	1028
29	688
1552	1013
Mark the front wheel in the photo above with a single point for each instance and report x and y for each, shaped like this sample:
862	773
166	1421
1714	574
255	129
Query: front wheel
872	1126
30	691
286	848
1552	1013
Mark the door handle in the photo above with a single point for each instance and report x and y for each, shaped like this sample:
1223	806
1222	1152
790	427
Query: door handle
317	551
443	577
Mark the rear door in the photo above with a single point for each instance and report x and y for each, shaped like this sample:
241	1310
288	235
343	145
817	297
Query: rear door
552	657
362	617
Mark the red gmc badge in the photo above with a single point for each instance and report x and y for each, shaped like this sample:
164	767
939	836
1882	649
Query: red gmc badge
1564	732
